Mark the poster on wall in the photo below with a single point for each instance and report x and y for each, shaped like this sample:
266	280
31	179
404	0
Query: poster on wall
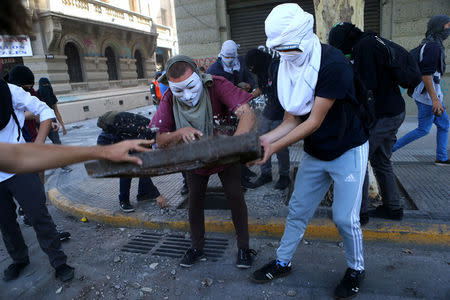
15	46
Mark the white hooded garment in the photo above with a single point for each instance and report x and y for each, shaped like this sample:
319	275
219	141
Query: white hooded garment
288	25
229	49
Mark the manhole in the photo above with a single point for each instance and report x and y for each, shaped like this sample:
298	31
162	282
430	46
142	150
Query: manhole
173	245
142	243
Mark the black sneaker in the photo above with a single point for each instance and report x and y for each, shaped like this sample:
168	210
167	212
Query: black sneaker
442	162
184	190
245	258
270	271
349	286
260	181
126	206
283	182
246	172
191	256
13	271
64	272
363	218
63	235
387	213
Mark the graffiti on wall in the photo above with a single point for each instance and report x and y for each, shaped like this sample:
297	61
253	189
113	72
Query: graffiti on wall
91	47
125	52
205	62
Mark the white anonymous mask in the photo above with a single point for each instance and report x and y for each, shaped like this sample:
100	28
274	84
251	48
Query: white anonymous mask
188	91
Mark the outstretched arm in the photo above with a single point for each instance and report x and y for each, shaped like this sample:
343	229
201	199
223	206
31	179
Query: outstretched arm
280	138
26	158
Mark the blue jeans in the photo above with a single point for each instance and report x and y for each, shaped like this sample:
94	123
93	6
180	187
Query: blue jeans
313	180
145	187
426	118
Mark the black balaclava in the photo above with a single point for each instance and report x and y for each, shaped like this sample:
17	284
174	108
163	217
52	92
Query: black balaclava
437	33
45	91
259	60
344	36
21	75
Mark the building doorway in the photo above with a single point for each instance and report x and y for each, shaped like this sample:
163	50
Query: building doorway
73	63
111	64
139	64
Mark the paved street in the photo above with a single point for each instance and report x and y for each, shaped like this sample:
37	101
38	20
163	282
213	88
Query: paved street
394	271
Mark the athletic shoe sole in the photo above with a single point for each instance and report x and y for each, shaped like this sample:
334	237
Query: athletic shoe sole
188	266
127	210
267	280
243	266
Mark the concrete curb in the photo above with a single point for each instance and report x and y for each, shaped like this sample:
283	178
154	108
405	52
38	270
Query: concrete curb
422	232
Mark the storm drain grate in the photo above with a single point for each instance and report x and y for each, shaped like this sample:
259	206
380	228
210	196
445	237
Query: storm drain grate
142	243
173	246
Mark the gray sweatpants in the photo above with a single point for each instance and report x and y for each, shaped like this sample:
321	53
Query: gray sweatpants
313	180
29	192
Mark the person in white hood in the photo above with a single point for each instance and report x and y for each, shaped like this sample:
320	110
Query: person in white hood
315	88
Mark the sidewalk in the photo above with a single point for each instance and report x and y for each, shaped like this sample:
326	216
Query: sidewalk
425	188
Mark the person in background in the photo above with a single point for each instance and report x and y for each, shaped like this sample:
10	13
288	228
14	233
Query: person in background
202	70
370	61
157	89
266	70
232	66
26	189
428	94
146	189
45	93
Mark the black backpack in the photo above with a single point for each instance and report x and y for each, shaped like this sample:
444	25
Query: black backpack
6	107
125	125
404	66
365	106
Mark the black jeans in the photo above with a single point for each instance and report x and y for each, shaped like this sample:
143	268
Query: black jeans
231	182
145	187
29	192
382	139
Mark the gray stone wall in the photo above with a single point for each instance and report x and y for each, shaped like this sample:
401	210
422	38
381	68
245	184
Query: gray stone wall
198	29
405	22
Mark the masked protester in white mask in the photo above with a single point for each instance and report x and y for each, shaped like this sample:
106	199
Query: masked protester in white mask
188	91
315	87
186	114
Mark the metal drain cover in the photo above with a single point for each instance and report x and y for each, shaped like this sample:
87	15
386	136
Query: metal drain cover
173	245
142	243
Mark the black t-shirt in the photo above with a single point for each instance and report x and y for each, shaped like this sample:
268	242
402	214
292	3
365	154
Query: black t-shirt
341	130
268	85
370	61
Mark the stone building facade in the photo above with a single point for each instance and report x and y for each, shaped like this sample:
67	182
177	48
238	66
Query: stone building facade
100	55
203	25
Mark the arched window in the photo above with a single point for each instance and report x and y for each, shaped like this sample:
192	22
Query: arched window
139	64
73	63
111	64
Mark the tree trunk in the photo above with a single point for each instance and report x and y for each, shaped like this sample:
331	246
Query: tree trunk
207	152
330	12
